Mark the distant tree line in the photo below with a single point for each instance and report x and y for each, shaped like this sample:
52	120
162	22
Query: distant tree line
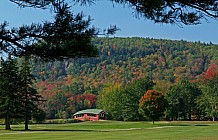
184	100
72	85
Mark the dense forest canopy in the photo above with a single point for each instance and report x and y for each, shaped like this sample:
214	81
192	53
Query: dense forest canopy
120	61
129	58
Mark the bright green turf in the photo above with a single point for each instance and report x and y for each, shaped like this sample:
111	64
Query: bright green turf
112	130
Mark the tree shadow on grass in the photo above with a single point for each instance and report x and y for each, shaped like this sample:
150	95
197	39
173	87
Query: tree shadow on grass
180	124
65	130
201	125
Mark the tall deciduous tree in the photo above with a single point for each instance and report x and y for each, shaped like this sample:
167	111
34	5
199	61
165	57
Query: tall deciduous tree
9	92
111	100
152	105
132	94
208	101
182	100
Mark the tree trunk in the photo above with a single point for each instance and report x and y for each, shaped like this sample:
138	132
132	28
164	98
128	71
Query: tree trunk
153	117
26	96
7	123
26	111
189	117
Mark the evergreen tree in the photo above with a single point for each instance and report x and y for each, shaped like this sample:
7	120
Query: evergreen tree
161	11
30	96
69	35
173	11
9	92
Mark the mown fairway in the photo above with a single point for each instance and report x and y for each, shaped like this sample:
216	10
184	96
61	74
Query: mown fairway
112	130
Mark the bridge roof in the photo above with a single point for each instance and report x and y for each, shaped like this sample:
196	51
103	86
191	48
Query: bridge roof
90	111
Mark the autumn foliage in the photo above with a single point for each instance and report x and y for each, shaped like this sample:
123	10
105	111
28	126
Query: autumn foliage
62	102
76	83
211	72
152	105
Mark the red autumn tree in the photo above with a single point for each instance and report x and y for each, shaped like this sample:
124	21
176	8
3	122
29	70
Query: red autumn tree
152	105
90	100
84	101
211	72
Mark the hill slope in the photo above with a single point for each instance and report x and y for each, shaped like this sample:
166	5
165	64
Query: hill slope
123	59
120	61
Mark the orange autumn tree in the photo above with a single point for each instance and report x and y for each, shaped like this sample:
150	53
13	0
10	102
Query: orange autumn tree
152	105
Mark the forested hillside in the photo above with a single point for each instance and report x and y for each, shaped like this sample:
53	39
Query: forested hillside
72	85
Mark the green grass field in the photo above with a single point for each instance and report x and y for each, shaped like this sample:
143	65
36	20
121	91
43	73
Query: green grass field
113	130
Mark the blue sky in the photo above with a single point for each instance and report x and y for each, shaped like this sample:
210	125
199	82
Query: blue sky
106	13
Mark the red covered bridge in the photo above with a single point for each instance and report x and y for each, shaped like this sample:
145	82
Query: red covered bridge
90	115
